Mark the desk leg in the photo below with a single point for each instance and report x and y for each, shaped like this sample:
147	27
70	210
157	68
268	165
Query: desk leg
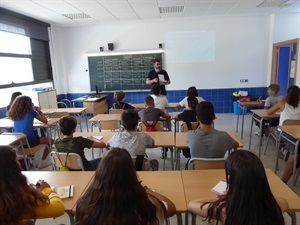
237	120
293	218
179	218
71	217
278	152
172	158
86	121
261	136
295	163
251	128
243	118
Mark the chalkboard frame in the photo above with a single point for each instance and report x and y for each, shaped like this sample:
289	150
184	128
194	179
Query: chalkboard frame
121	71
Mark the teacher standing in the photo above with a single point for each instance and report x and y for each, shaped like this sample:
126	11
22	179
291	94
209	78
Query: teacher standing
158	76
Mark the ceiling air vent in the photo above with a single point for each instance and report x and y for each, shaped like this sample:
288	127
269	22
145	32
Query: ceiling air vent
272	3
77	16
171	9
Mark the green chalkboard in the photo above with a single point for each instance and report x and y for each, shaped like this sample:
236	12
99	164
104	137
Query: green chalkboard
121	72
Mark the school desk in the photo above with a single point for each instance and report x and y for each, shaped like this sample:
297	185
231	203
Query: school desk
104	117
81	112
181	142
259	115
171	106
80	180
290	133
169	184
198	183
242	106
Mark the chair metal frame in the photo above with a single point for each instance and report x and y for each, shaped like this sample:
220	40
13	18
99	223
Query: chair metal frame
206	163
74	160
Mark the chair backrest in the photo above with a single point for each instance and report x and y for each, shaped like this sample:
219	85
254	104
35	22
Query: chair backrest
74	161
139	162
111	125
291	122
116	111
184	127
59	114
157	127
204	164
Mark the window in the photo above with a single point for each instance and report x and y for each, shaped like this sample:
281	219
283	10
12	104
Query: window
15	59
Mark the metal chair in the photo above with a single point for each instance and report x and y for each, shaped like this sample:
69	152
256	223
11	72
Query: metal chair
72	161
272	133
109	125
116	111
158	126
184	127
206	163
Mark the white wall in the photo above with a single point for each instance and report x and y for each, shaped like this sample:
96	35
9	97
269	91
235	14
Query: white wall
230	49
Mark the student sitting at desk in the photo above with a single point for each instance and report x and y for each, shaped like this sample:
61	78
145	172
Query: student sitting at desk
131	140
119	96
116	196
191	92
160	101
207	142
289	108
23	112
248	199
71	144
21	203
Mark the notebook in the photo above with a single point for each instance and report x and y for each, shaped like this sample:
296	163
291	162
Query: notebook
65	191
220	188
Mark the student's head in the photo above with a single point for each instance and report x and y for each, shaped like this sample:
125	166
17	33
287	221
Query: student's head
273	89
155	89
149	101
248	189
20	107
292	97
130	119
119	96
192	102
205	112
115	196
192	92
156	64
14	95
16	197
67	125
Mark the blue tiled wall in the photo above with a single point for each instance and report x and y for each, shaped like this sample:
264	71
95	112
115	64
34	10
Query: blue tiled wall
221	98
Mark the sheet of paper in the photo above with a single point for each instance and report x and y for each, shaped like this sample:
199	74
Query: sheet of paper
220	188
98	137
161	77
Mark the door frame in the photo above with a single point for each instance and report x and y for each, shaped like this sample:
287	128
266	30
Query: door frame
275	55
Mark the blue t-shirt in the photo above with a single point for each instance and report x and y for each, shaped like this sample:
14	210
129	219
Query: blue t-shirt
25	125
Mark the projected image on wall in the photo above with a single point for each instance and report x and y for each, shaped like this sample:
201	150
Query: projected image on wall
191	46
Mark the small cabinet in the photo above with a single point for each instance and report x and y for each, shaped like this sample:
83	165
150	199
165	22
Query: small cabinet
45	99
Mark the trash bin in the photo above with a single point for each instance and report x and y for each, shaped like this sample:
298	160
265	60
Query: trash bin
236	110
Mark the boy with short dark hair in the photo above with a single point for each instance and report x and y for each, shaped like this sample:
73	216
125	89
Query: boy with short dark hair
131	140
273	98
68	143
160	101
150	113
207	142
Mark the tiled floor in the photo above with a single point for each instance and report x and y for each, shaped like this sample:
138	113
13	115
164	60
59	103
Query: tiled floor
226	122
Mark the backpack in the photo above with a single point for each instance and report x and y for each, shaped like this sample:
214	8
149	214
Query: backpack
150	126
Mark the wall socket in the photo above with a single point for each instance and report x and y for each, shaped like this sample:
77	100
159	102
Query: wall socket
243	80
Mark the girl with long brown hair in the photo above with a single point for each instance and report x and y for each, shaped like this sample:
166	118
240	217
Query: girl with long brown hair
116	196
18	200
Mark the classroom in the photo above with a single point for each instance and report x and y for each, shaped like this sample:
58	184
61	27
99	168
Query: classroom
219	47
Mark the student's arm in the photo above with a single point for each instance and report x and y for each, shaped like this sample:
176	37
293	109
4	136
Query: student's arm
54	208
166	116
195	207
283	204
170	207
278	107
149	81
40	116
235	145
97	143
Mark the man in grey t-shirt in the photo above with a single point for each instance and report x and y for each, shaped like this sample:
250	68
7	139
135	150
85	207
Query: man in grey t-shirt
206	142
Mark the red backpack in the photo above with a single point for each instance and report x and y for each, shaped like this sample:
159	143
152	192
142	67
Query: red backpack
150	126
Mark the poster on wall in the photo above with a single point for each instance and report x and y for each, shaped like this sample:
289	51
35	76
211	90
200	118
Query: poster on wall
293	69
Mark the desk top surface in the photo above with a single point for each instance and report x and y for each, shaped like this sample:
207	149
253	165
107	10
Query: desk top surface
89	98
105	117
291	130
198	184
10	138
68	110
79	179
263	113
8	123
171	105
251	103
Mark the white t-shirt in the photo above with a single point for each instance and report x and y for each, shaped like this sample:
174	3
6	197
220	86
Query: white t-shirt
289	113
184	102
160	102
